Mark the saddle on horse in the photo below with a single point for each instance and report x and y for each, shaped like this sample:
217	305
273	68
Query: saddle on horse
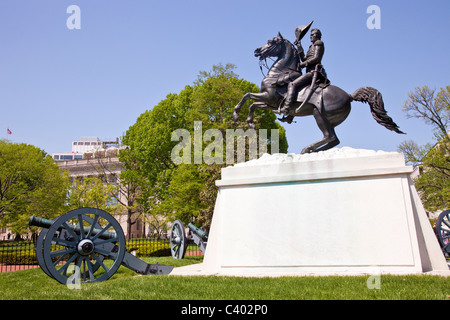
312	93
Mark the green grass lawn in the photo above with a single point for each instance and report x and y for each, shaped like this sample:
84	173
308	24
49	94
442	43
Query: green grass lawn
126	285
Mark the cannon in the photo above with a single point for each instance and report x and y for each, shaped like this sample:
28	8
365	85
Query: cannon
179	240
443	231
82	242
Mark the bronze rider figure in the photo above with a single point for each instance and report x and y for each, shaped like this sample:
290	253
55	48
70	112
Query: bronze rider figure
312	61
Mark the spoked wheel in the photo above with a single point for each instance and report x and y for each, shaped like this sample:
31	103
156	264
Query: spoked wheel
78	242
40	251
443	231
178	243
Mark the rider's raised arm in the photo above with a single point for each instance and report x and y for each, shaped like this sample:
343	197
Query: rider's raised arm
300	50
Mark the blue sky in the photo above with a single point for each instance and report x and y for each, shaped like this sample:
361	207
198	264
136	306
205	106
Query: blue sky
59	84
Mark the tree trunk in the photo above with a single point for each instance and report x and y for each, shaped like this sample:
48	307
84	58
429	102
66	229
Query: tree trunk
129	222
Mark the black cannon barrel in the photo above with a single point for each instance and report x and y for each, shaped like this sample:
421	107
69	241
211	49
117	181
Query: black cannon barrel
46	223
202	234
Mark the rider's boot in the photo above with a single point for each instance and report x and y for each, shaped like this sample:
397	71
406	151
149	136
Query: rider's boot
289	100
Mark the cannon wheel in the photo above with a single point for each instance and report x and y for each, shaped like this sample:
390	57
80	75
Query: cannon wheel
178	243
443	231
40	249
64	250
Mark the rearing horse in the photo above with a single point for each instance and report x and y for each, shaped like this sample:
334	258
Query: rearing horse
334	103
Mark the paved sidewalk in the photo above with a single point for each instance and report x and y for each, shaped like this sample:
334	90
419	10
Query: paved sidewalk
8	268
197	270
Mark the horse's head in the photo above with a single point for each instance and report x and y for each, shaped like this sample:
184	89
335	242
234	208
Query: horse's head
273	48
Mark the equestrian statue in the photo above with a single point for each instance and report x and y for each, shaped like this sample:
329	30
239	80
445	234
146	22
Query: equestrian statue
287	91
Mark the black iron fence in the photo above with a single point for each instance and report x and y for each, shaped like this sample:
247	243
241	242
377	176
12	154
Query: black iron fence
17	255
20	255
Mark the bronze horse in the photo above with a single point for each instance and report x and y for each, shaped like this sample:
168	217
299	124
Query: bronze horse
332	104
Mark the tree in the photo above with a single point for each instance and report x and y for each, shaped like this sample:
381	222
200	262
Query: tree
433	183
147	158
92	192
413	152
120	196
30	184
434	109
187	191
434	159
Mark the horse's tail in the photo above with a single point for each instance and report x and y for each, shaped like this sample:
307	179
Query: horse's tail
375	100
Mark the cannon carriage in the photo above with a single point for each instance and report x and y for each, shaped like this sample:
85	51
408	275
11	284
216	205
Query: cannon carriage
179	240
88	244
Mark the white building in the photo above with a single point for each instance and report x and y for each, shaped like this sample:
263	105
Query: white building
87	148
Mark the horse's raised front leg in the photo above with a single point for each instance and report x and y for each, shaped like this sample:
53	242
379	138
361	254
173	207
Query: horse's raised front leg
251	110
258	97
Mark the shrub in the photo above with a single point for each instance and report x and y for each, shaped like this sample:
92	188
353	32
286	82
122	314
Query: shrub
18	257
149	247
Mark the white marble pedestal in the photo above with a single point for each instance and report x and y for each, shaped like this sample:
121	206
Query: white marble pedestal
342	211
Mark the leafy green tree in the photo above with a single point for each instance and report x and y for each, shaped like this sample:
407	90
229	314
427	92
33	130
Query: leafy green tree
187	191
183	200
434	181
434	159
423	103
147	158
113	194
413	152
30	184
93	192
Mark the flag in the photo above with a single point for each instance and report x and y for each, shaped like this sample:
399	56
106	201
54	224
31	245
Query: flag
8	131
